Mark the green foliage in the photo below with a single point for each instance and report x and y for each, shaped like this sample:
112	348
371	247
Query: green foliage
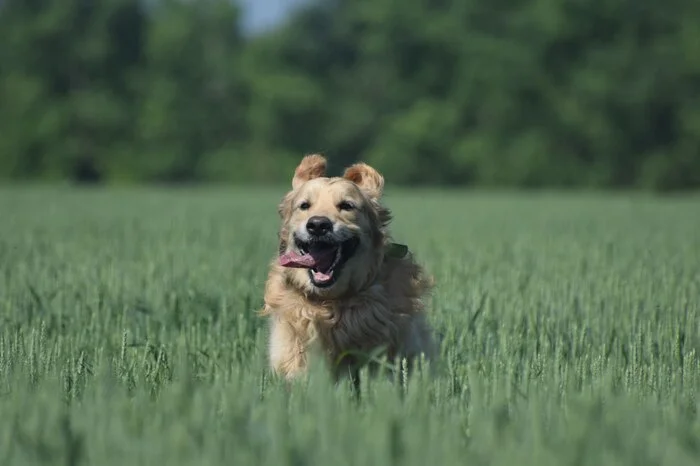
128	334
563	93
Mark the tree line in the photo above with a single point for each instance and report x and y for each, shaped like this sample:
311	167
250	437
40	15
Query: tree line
545	93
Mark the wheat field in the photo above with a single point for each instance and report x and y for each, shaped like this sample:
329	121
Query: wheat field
569	328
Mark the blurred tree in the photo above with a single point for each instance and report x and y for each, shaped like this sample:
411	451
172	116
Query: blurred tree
540	93
64	85
192	107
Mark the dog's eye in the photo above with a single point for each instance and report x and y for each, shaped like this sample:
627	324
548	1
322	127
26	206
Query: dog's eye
346	205
304	205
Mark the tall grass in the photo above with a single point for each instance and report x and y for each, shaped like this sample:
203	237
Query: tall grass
569	330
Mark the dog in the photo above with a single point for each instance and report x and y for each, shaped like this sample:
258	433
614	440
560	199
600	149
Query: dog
338	283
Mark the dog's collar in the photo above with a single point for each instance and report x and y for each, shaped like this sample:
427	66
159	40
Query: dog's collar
395	250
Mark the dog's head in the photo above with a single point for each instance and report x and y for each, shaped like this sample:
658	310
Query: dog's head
333	229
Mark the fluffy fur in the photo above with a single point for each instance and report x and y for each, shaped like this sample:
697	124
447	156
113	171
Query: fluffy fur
376	301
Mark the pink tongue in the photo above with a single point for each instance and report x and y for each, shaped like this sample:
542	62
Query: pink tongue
320	260
296	260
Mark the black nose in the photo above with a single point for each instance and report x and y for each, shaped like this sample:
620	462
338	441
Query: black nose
319	226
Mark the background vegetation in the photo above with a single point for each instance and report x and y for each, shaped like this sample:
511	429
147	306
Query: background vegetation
569	324
595	93
128	335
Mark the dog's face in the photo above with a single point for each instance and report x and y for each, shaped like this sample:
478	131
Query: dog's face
332	235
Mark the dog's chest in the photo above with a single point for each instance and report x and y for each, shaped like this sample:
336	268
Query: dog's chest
359	325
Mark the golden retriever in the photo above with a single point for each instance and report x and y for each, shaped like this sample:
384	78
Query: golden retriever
339	284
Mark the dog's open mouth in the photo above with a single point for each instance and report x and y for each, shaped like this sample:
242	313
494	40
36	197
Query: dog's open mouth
324	259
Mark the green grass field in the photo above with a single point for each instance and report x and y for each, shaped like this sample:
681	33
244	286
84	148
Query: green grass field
128	335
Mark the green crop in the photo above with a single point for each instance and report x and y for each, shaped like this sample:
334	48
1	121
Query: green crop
569	328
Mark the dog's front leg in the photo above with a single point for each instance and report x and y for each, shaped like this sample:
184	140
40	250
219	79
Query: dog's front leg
287	351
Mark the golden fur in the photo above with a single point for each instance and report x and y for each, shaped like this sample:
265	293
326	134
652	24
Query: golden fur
377	300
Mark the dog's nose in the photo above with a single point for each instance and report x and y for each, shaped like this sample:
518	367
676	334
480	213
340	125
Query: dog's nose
319	226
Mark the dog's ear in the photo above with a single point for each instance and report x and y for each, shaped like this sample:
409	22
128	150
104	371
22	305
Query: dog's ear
367	178
284	209
312	166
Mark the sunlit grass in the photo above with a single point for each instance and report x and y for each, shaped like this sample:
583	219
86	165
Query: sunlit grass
569	334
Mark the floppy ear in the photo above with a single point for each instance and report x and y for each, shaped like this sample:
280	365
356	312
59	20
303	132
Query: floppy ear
367	178
284	209
311	166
